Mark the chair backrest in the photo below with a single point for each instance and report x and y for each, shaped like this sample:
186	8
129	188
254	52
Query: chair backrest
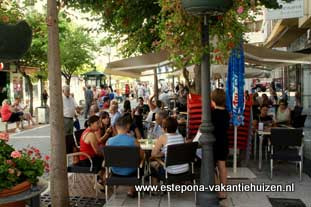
299	121
121	156
70	144
181	153
77	135
286	137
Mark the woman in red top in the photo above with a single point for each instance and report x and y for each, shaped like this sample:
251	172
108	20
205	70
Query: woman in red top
7	114
89	144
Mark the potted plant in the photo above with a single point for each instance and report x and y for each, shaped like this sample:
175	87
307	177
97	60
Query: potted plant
19	169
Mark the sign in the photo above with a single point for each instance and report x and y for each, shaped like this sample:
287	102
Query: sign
290	10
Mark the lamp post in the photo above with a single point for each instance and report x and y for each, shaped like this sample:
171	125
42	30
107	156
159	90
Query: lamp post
206	8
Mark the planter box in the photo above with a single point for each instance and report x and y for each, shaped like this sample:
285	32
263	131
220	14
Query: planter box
207	6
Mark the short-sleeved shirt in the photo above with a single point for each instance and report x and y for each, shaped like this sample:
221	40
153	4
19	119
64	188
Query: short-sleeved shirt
122	140
70	105
114	118
157	131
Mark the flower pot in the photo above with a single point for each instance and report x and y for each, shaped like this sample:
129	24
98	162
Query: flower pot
19	188
207	6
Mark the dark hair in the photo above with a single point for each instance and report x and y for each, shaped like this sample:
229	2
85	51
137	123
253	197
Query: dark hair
92	120
170	124
106	98
127	106
123	121
159	103
283	101
264	105
219	97
141	98
104	115
162	114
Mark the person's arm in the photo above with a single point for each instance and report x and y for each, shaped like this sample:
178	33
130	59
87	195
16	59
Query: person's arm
150	102
156	151
137	133
106	135
94	143
141	152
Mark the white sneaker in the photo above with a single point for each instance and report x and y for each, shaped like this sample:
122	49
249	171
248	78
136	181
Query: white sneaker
18	130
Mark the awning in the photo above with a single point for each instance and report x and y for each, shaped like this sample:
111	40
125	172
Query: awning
258	56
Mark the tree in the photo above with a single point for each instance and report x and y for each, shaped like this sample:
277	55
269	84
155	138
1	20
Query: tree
59	180
76	51
166	25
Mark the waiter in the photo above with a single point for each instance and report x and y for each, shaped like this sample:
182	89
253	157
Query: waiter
69	108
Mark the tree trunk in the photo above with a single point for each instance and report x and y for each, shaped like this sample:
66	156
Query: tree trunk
156	87
30	88
59	180
197	79
68	81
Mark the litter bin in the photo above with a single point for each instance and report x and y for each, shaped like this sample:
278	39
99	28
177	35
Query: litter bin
42	115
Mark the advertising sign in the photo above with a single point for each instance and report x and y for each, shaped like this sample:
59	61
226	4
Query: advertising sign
290	10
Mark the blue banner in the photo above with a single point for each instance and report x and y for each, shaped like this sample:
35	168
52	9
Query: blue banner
235	86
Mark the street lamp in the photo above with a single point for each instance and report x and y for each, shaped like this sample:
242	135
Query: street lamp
206	8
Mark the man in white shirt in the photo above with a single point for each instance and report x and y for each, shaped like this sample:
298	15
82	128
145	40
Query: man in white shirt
157	129
69	108
165	97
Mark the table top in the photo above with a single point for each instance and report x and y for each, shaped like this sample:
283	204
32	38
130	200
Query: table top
30	193
146	146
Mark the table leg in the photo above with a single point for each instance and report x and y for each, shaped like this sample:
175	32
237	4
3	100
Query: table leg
260	152
255	145
35	201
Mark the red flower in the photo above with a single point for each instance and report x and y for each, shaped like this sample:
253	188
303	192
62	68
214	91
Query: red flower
9	162
16	154
4	136
47	158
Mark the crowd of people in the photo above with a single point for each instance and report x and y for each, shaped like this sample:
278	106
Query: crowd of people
107	124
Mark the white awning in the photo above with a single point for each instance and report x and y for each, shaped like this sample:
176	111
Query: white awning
258	56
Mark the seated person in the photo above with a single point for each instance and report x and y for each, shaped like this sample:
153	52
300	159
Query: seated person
123	139
170	137
106	103
133	130
105	131
89	144
20	108
283	113
115	115
157	129
94	111
8	114
263	117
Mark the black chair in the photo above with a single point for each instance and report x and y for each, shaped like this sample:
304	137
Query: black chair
73	167
121	156
176	155
299	121
286	144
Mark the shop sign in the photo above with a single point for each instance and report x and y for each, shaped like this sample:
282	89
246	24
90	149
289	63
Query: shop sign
290	10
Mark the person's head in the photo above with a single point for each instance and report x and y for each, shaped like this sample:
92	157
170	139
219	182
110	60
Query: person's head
219	97
113	108
106	99
160	116
88	87
104	118
93	123
5	102
283	104
246	93
66	90
255	95
264	110
169	125
123	124
141	100
102	86
264	96
127	105
17	100
94	109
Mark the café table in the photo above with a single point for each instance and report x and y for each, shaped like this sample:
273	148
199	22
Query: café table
261	134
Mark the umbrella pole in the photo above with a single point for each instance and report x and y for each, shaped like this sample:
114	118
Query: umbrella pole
235	149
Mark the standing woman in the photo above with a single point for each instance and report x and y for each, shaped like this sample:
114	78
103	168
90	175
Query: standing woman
220	120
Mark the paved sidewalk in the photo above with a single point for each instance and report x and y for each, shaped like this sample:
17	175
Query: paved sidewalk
285	173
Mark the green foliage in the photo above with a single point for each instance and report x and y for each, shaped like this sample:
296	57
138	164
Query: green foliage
29	165
128	22
76	51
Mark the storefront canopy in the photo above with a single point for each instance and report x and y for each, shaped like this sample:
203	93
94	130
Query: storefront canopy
258	56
